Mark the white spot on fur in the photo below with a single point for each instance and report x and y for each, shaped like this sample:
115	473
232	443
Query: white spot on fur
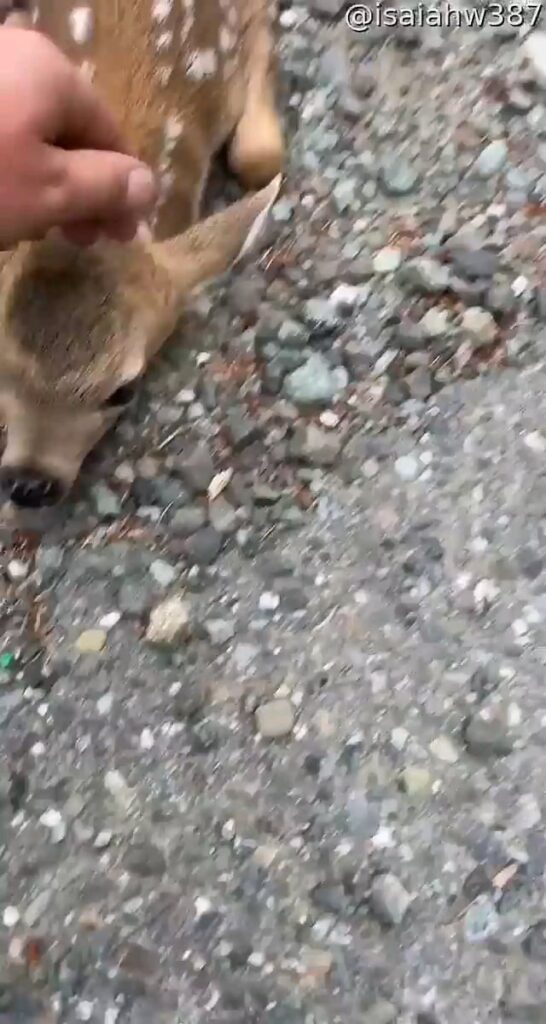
258	225
202	64
164	41
226	39
173	130
163	75
161	10
81	24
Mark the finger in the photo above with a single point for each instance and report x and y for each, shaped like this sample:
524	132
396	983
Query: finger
98	186
87	122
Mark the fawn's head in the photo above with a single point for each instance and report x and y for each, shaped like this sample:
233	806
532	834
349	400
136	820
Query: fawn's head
78	327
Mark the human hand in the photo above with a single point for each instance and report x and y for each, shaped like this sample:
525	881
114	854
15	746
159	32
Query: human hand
63	162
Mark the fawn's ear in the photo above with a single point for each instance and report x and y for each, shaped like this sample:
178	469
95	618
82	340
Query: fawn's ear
210	248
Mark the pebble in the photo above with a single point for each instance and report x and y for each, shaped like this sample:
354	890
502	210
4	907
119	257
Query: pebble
188	520
11	917
488	732
275	719
534	48
170	622
524	996
197	469
52	819
474	263
444	749
479	325
407	467
17	570
223	517
107	503
314	383
416	781
381	1012
481	920
389	900
163	573
425	275
268	601
219	631
315	446
397	177
204	546
321	316
491	159
346	297
92	641
435	323
387	260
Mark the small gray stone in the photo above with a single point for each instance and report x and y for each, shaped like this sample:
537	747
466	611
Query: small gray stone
387	260
326	8
491	159
489	731
144	859
420	383
188	520
241	430
48	563
363	816
292	334
380	1013
500	300
397	177
474	263
9	702
524	997
275	719
315	446
311	384
481	920
321	316
204	546
197	469
163	572
410	336
416	781
435	323
219	631
107	503
425	275
479	326
223	517
389	900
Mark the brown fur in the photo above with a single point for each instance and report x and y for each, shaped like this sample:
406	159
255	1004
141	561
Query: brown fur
76	325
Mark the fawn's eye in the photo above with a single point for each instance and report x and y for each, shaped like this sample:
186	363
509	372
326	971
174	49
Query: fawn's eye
122	396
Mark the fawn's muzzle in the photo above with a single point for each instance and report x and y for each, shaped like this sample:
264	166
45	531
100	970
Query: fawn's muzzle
28	488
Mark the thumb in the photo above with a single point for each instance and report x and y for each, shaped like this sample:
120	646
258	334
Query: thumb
93	185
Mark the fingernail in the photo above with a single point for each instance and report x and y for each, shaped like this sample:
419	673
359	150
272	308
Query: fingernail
141	189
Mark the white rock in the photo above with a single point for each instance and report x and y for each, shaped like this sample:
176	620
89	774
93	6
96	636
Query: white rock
407	467
11	917
268	601
534	48
387	260
17	570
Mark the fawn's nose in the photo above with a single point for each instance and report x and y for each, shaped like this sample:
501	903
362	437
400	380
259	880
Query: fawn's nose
28	488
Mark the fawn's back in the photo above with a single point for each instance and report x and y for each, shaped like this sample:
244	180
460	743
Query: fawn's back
183	78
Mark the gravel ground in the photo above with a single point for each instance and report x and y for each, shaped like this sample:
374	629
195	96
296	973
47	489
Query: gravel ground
272	695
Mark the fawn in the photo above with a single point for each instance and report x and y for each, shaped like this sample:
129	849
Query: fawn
78	327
